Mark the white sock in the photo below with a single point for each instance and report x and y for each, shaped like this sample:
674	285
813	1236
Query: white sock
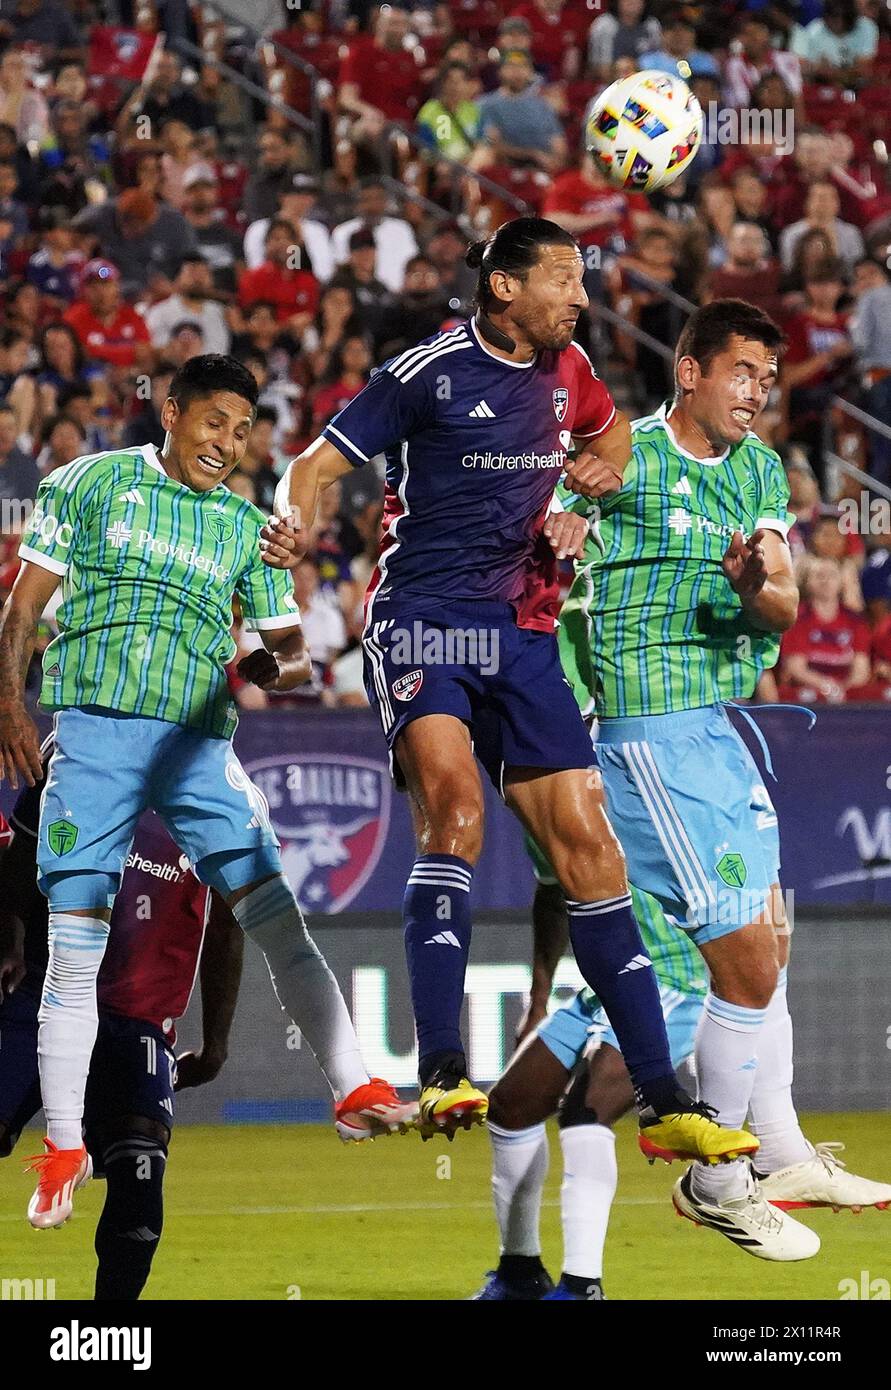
303	982
590	1175
68	1021
771	1109
726	1060
519	1169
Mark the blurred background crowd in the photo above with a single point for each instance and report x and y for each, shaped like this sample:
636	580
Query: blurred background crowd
296	183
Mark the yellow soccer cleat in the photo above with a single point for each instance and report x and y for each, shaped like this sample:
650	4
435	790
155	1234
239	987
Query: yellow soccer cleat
450	1102
691	1133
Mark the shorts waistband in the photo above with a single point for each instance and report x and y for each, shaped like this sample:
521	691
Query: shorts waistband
645	728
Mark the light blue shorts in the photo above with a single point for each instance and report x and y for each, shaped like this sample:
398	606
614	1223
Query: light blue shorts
697	825
106	769
569	1031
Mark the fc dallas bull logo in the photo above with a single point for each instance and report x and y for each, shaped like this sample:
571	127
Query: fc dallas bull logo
561	401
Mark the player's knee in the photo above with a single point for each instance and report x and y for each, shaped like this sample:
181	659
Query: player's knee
454	822
751	984
574	1108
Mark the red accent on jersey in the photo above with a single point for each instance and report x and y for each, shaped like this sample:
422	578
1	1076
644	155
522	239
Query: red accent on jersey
157	927
5	831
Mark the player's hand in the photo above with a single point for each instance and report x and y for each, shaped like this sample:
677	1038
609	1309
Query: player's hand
744	564
591	476
567	534
260	668
12	961
197	1068
283	541
19	747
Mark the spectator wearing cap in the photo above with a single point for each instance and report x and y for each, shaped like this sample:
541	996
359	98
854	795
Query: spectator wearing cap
518	125
139	235
839	47
871	336
20	105
193	300
394	239
628	33
449	123
380	78
821	213
295	206
679	46
559	32
216	241
162	96
359	276
825	656
280	281
108	329
274	175
749	270
416	313
54	267
19	475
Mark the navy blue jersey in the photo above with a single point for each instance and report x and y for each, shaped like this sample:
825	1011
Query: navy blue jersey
475	446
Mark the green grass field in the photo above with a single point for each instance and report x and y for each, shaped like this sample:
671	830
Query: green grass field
277	1213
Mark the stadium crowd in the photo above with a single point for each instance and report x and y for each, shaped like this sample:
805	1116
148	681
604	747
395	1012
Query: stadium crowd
301	195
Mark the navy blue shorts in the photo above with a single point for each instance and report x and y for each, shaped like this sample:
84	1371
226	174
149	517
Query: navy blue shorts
473	662
132	1071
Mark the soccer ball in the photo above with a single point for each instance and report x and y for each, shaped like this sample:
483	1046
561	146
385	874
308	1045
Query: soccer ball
644	130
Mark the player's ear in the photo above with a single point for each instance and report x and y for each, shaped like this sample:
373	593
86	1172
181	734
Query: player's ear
169	413
501	284
687	373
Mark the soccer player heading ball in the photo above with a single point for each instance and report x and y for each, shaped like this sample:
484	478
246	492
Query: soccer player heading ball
150	550
476	425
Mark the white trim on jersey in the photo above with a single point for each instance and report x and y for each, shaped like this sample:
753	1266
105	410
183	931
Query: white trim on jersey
36	557
412	371
579	434
371	644
330	429
505	361
411	356
773	523
291	619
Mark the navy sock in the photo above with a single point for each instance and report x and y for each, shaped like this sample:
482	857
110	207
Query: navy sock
436	914
130	1225
611	956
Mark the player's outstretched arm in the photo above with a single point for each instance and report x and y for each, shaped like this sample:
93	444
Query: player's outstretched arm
220	973
19	741
600	466
288	537
760	572
281	664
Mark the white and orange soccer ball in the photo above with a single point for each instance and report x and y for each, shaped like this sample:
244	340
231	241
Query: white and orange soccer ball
644	130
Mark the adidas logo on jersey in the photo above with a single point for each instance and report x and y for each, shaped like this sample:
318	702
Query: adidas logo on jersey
443	938
683	487
481	412
636	963
135	496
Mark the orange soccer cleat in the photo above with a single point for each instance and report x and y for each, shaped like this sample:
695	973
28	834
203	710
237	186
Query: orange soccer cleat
59	1171
373	1109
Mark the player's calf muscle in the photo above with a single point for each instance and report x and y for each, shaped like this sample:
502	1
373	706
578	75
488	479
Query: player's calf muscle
744	965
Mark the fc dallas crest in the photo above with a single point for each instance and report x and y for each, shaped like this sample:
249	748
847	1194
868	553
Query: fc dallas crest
561	401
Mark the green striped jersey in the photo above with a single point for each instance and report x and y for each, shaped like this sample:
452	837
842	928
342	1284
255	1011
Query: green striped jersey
676	961
149	569
651	624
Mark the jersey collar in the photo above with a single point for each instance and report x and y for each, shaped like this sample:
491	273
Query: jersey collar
505	361
662	412
150	454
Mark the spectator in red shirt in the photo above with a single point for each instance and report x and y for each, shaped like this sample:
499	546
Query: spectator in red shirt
825	657
819	350
749	271
380	80
559	33
881	656
108	329
347	374
812	160
278	281
584	203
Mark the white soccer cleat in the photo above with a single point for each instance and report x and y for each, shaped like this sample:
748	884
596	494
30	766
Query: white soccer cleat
823	1181
373	1110
749	1221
